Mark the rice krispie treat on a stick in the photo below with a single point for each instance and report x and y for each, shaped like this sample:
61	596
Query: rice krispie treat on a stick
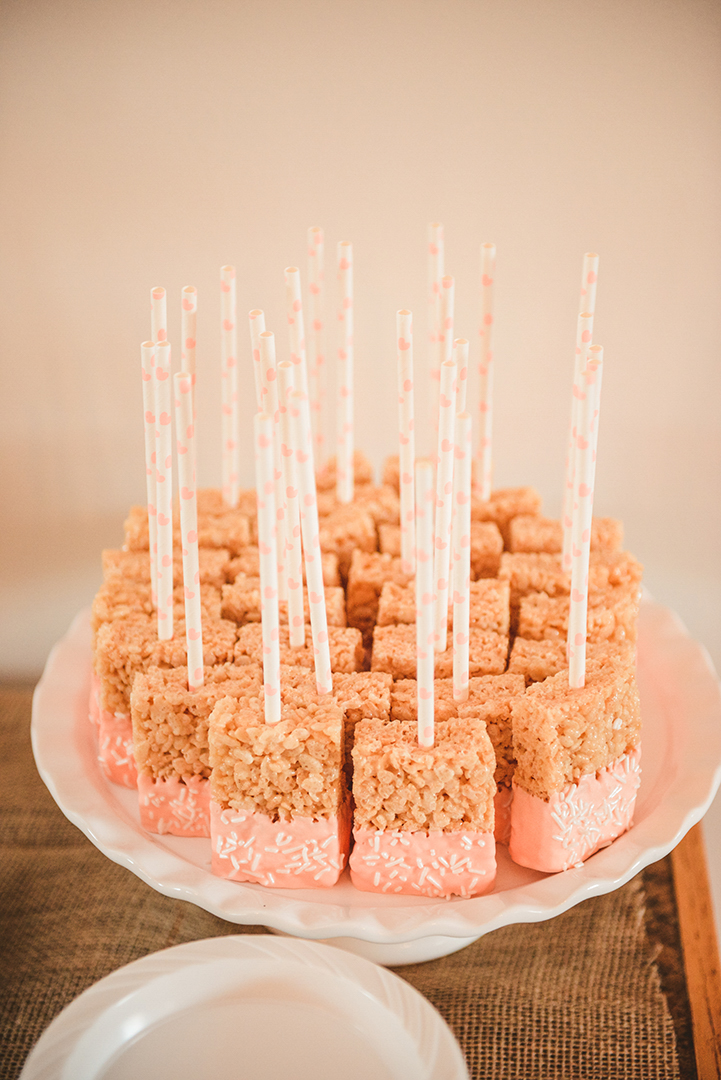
248	563
489	605
241	603
423	821
538	660
348	529
612	615
345	643
537	533
280	812
135	566
230	529
504	505
577	765
394	651
382	503
366	578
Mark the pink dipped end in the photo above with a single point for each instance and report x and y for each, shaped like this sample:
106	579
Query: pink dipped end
423	864
174	806
115	748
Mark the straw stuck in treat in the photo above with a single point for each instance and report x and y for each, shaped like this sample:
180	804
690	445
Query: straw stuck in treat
269	379
345	438
589	282
158	314
265	489
584	337
425	635
229	384
444	500
296	328
187	490
256	321
164	489
316	354
147	366
461	571
485	371
406	437
188	324
293	552
460	356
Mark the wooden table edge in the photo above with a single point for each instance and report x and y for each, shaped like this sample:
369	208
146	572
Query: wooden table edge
700	950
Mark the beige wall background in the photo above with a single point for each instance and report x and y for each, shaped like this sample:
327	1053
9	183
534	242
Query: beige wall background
147	143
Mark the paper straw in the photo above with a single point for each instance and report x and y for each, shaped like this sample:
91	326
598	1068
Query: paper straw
344	455
460	355
485	371
164	489
266	342
316	370
147	366
589	280
296	329
461	554
188	497
300	415
265	490
586	443
584	337
293	552
229	372
444	501
425	663
158	315
406	437
435	273
188	320
256	320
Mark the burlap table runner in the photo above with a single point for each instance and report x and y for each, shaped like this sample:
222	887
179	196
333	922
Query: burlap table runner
595	993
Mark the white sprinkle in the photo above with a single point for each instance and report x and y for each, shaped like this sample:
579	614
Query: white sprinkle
376	880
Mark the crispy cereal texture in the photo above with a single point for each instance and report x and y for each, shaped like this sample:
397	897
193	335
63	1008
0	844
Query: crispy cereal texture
241	603
560	734
389	540
394	651
230	529
486	549
349	528
489	605
504	505
546	534
537	660
286	770
346	648
399	785
325	477
612	615
135	565
118	597
366	578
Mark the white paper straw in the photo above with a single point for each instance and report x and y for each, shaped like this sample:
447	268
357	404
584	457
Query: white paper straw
269	378
584	337
293	551
147	365
188	498
316	354
229	371
406	437
586	444
589	281
435	273
444	501
188	324
461	554
265	489
425	662
345	435
256	320
158	315
164	488
485	371
296	327
460	356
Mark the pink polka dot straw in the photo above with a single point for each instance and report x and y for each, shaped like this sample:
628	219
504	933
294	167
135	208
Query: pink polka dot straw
444	500
461	571
265	489
425	663
158	315
147	367
406	437
435	273
445	328
269	379
345	433
316	354
586	444
229	387
256	321
188	323
296	327
303	441
485	371
164	488
589	282
584	337
188	498
293	551
460	356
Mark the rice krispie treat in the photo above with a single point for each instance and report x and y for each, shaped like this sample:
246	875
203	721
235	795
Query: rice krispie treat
125	648
118	597
170	742
423	821
537	660
135	565
346	648
230	529
280	812
394	651
577	765
504	505
248	563
486	549
241	603
546	534
382	503
612	615
489	605
348	529
325	477
366	578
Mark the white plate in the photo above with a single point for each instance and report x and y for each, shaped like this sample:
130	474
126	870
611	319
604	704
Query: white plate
681	709
250	1007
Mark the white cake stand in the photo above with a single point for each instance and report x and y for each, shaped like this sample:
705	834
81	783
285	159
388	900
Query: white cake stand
681	710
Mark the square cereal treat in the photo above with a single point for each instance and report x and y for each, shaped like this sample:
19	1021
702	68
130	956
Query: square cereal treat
125	648
612	615
280	812
241	603
486	549
170	743
382	503
230	529
118	597
135	565
325	477
394	651
577	766
367	576
489	605
537	533
248	562
347	529
345	643
504	505
392	472
389	539
423	820
537	660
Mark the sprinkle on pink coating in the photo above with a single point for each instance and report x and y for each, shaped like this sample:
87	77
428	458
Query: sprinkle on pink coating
173	806
115	748
437	864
